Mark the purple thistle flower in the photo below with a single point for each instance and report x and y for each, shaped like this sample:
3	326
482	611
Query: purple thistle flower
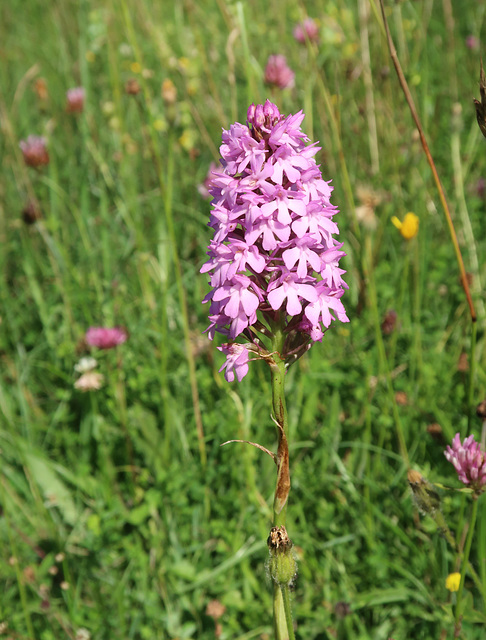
278	73
273	260
105	337
469	461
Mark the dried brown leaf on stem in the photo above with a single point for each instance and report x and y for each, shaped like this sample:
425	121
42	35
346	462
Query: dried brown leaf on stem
481	106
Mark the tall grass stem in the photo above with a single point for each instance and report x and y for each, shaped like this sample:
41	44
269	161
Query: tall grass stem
425	146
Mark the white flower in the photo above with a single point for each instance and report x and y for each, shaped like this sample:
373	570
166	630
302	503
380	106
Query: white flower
86	364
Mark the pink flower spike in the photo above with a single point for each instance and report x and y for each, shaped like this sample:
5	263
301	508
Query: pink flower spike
105	338
273	259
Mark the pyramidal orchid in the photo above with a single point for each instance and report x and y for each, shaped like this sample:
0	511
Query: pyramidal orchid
274	258
276	283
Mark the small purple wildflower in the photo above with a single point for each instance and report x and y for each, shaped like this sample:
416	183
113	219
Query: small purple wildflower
75	100
278	73
105	337
34	151
273	260
472	43
469	461
306	30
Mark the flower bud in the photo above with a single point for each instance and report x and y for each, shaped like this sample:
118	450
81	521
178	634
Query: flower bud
259	117
282	564
250	114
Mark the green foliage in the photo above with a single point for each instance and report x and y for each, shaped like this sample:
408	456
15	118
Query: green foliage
121	515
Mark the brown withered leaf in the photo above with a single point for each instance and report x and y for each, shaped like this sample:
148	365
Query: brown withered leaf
481	106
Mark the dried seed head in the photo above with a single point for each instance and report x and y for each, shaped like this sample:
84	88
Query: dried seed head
40	87
31	212
435	430
168	92
389	322
481	410
215	609
282	563
401	398
132	87
342	609
462	364
425	496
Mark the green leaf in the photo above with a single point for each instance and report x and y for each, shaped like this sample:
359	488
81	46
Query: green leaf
54	490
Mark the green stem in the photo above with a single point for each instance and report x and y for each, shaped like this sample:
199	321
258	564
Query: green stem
472	373
280	417
288	612
279	620
282	615
416	375
465	561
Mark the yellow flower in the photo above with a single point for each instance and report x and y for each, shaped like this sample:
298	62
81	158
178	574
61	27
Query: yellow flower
159	125
136	67
452	581
409	227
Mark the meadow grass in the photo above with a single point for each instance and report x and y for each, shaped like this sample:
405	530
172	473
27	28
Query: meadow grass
121	515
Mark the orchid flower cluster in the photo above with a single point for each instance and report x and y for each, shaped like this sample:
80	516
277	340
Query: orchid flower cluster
273	260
